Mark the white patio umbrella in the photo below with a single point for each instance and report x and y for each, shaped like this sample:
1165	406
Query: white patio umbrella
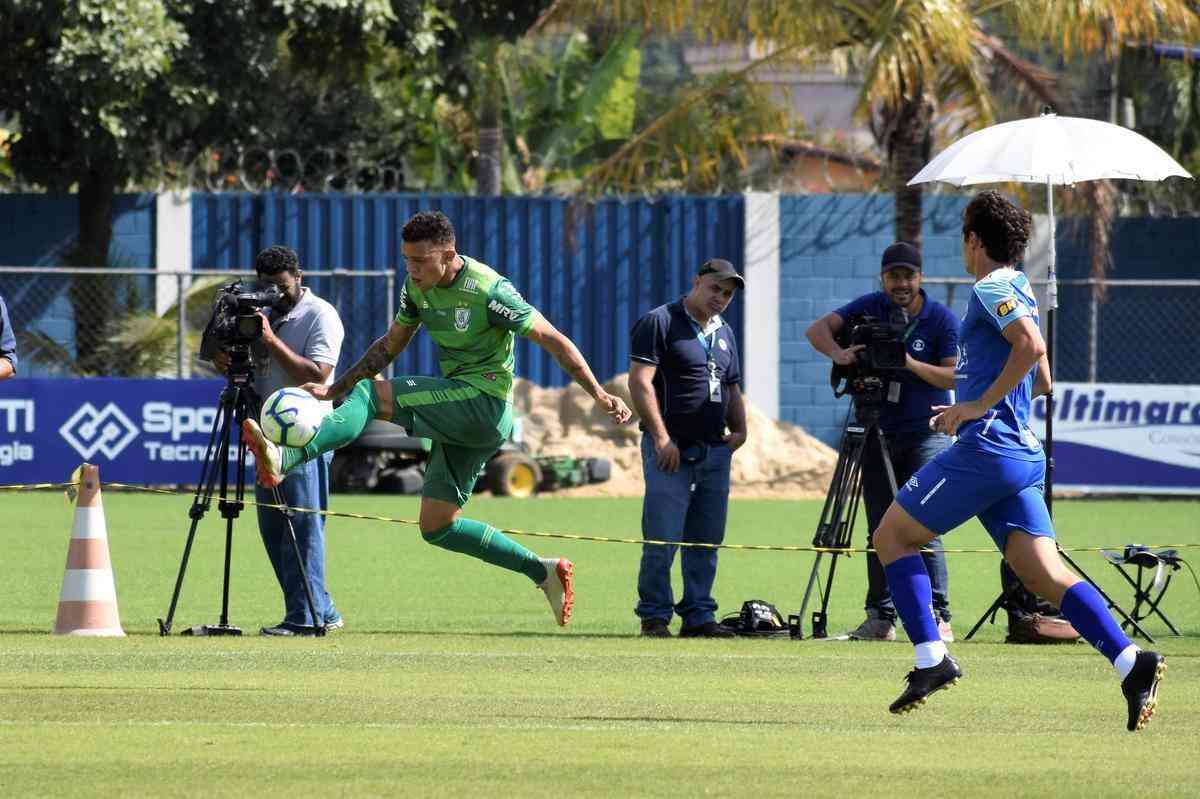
1052	150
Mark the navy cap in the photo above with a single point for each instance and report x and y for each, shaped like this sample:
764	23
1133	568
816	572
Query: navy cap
901	254
722	269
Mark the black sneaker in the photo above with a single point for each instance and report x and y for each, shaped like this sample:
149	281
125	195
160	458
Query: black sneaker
1140	687
286	629
655	628
923	682
710	629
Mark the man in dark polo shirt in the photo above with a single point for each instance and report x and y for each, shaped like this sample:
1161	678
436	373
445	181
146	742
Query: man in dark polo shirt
684	380
931	336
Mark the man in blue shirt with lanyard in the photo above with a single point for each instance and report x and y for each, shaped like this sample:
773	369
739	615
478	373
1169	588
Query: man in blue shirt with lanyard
683	380
931	338
996	472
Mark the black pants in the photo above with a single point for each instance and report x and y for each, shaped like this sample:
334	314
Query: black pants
910	451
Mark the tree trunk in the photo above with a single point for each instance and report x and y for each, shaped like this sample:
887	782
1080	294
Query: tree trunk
491	147
93	298
908	152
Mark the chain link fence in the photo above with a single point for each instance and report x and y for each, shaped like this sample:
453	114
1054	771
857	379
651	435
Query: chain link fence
147	323
72	322
1124	331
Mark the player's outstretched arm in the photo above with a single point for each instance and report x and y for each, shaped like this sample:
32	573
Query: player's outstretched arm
375	360
546	336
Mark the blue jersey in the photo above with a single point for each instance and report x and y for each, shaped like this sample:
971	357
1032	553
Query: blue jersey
997	301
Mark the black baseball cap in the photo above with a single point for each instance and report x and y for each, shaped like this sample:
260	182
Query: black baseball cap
901	254
723	269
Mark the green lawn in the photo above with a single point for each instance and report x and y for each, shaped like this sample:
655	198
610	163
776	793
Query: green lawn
450	678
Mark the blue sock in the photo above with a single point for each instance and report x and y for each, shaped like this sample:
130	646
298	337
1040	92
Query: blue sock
913	596
1088	613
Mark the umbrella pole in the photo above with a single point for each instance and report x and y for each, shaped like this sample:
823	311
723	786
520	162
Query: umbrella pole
1052	302
1052	307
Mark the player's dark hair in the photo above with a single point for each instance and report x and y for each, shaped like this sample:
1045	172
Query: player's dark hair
1002	226
274	260
431	226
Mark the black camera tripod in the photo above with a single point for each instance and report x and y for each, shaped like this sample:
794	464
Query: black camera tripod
238	403
835	530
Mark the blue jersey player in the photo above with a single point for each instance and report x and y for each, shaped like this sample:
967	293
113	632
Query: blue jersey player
996	472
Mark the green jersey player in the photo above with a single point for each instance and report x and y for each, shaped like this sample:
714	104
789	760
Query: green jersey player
473	315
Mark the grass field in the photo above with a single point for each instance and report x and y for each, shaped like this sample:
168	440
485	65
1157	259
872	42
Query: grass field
450	678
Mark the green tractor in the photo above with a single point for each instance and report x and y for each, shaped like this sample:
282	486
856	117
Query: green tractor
386	458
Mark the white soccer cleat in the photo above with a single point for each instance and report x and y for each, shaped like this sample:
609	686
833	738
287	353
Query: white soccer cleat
268	459
559	588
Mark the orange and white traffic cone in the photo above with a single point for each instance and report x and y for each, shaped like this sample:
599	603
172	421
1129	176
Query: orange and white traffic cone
88	602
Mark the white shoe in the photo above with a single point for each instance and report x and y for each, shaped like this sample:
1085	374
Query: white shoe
944	631
268	461
559	588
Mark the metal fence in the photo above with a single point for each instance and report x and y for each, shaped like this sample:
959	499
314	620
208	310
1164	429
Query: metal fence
73	322
1130	331
147	323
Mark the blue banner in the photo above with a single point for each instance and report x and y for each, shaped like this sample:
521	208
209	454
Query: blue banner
1134	438
149	432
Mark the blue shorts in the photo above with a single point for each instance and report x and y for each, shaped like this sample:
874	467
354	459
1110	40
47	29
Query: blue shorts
1005	493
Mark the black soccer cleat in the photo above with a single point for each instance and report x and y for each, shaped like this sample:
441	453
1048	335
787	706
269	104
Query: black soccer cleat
1140	687
923	682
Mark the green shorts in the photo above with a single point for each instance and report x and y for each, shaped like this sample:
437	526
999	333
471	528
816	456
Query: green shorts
466	426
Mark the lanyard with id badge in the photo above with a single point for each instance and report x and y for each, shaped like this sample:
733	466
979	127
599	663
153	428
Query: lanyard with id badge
714	382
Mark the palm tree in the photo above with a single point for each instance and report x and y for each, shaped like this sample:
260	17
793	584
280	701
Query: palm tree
926	64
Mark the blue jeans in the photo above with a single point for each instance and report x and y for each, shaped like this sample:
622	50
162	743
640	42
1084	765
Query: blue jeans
306	486
686	505
910	451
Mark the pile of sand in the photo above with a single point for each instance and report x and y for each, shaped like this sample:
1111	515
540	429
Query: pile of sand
778	460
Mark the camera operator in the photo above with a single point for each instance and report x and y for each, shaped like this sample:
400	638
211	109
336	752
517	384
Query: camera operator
301	340
931	341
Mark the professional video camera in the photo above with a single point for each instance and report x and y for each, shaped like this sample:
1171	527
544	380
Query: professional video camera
234	322
883	350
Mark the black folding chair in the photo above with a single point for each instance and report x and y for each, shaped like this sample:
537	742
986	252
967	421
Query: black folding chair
1153	577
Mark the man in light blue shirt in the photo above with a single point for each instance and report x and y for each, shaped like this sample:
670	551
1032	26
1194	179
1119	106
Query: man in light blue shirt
301	343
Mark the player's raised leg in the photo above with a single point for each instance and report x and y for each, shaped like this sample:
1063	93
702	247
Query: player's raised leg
342	426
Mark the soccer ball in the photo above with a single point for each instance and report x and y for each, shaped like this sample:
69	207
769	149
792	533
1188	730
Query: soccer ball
291	417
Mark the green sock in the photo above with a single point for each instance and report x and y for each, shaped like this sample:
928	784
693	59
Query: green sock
481	540
338	429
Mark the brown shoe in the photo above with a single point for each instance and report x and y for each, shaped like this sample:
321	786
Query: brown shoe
710	629
1039	629
655	628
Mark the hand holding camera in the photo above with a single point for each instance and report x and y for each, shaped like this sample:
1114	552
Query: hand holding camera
848	356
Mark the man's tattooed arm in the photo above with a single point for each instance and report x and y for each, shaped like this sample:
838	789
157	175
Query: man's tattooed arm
385	350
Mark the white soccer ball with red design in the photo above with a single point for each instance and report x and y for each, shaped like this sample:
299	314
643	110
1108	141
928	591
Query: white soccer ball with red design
291	417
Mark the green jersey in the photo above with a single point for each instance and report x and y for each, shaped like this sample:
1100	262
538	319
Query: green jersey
472	322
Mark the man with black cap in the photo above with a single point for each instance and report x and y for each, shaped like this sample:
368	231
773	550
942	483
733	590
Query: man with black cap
683	380
931	338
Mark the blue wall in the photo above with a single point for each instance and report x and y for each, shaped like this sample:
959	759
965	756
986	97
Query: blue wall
40	230
594	269
828	255
591	270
